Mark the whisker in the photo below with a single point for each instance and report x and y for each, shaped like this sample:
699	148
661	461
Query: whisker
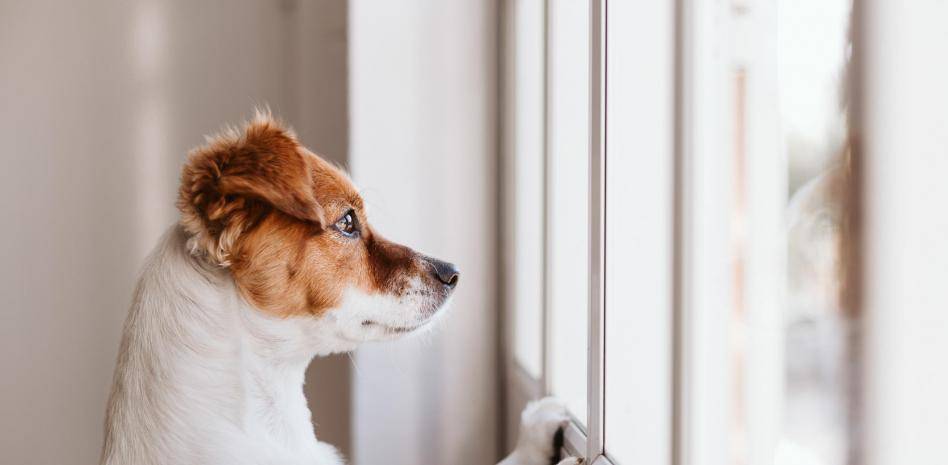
355	365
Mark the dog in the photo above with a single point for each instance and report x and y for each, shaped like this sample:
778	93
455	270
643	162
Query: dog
273	262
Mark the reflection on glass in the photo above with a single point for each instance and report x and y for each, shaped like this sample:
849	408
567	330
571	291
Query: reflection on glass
813	44
812	388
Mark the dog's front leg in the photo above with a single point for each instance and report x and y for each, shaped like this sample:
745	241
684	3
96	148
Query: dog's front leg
539	423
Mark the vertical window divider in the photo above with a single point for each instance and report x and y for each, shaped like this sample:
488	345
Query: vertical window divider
546	384
681	229
595	444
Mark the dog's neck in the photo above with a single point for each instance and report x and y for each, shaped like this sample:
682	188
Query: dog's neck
198	365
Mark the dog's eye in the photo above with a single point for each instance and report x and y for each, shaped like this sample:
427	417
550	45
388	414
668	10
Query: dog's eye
348	225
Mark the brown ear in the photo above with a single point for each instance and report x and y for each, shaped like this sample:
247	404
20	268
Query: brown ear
229	183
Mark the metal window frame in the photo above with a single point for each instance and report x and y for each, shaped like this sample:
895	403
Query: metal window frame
595	364
546	364
588	443
591	442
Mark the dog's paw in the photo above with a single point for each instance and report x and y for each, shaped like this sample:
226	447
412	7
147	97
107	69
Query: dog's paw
539	423
573	461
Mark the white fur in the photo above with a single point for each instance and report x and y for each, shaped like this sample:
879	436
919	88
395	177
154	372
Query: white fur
204	378
538	423
384	313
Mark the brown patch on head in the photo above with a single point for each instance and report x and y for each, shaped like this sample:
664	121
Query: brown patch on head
391	265
259	203
229	184
286	268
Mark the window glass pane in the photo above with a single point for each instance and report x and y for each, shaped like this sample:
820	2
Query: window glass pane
790	332
527	278
639	203
818	326
568	201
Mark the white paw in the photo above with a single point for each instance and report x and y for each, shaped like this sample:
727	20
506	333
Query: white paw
538	424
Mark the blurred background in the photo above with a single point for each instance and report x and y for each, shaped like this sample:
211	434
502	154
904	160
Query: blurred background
768	288
101	101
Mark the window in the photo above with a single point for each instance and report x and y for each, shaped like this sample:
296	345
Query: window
690	170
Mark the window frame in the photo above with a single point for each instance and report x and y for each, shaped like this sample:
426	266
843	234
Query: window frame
520	386
596	351
698	175
874	278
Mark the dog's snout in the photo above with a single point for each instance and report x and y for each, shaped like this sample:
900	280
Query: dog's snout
446	272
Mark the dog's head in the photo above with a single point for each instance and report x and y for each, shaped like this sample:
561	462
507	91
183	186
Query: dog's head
294	233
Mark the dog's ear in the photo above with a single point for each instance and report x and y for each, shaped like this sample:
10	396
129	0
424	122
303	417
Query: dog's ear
237	177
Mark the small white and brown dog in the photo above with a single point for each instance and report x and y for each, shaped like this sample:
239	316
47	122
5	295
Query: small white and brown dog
273	263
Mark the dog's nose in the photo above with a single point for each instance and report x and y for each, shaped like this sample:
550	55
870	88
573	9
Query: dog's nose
446	272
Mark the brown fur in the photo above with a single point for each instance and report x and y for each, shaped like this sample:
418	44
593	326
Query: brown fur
263	205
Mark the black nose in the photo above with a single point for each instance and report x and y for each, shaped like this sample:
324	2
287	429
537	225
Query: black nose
446	272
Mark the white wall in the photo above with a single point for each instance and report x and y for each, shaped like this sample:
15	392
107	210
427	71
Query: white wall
99	102
423	126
